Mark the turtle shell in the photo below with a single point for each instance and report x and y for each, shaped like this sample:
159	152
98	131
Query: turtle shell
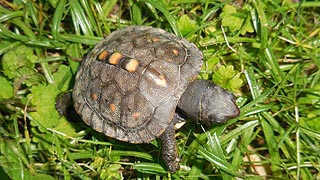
129	85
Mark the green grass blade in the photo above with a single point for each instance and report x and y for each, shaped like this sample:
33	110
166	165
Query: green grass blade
149	168
81	21
5	16
161	7
216	161
57	18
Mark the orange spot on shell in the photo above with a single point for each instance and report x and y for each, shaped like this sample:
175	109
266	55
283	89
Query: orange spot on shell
132	65
94	96
155	39
103	55
175	52
136	115
115	58
112	107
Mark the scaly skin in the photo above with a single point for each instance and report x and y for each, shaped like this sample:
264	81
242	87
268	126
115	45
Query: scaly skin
169	149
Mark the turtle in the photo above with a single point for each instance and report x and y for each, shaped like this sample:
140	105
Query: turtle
137	83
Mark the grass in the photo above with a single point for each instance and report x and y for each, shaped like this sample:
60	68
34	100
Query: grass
267	52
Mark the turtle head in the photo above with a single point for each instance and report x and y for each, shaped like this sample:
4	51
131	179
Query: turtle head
207	102
217	105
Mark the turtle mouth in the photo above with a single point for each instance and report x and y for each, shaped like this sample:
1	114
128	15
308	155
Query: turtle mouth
225	115
235	113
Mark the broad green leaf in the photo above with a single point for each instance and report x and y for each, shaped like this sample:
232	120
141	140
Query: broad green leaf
20	57
236	19
186	25
6	88
229	19
29	76
228	78
111	172
46	116
43	97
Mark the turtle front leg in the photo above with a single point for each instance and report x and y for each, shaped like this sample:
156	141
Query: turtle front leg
169	150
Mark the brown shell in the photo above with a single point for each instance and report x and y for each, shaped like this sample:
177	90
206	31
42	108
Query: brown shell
133	96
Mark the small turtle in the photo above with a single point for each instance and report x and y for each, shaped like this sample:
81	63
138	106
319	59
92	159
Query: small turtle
139	81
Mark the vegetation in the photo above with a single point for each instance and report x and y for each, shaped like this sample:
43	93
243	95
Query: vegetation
267	52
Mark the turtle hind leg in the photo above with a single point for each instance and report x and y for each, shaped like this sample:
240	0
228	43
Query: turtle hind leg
169	150
64	105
